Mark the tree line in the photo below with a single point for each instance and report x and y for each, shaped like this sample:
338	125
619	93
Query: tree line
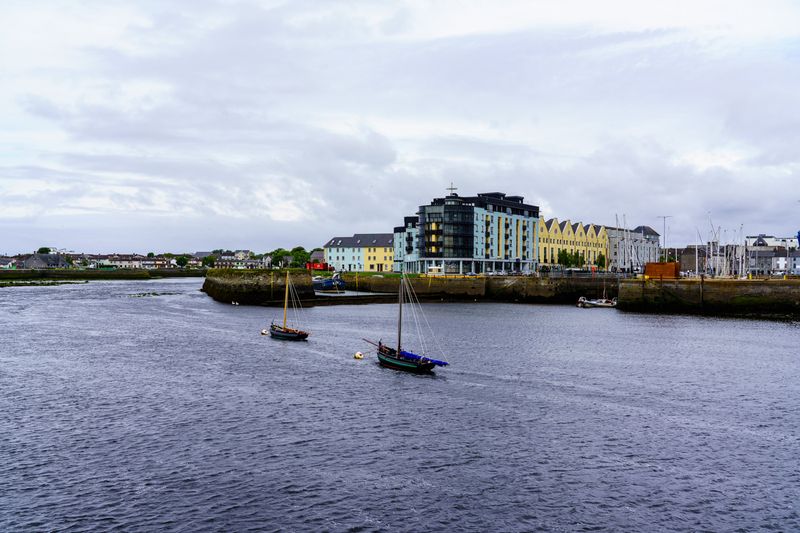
297	257
578	260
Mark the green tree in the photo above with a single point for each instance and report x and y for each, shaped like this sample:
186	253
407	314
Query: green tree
600	262
182	261
564	258
278	256
209	260
299	257
43	250
150	254
217	252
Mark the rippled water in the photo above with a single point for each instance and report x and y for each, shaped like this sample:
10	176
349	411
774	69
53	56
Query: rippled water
141	412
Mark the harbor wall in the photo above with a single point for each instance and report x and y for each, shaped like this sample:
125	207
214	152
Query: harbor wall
255	287
761	298
266	288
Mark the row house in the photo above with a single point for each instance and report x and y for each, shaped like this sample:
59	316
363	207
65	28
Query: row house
586	240
363	252
764	260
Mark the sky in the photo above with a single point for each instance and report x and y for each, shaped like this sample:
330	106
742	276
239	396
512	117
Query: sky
137	126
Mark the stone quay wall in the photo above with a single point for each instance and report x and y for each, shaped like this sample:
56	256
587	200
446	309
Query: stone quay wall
528	289
265	287
255	287
757	298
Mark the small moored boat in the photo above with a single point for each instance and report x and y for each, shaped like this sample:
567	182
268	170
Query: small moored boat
334	283
599	302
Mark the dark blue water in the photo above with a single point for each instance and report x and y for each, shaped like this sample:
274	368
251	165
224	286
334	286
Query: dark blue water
172	412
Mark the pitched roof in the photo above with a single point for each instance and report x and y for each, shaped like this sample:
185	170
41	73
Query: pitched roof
362	240
647	230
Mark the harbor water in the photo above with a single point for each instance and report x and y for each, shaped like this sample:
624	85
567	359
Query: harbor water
146	406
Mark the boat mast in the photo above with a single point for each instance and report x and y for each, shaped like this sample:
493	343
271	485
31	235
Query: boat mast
400	311
286	300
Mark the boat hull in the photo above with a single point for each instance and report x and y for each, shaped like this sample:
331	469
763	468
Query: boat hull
586	303
328	284
288	334
391	361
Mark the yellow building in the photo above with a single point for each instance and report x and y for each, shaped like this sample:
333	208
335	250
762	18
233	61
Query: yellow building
378	258
589	241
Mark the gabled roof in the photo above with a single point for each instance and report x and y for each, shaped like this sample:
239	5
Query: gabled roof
362	240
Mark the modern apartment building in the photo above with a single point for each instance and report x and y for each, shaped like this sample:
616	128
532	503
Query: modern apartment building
490	232
363	252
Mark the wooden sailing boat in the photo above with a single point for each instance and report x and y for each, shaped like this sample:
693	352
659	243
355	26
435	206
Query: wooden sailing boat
398	358
284	332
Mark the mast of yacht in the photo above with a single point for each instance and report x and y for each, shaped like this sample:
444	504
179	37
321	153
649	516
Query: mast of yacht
286	300
400	311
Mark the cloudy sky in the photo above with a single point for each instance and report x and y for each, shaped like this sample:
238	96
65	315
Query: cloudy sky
157	126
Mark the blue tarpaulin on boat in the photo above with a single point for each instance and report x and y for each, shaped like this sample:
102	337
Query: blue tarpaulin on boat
415	357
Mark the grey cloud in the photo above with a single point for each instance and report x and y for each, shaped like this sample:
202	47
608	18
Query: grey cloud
265	113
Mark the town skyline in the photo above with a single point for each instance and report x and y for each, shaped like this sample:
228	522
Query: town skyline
132	126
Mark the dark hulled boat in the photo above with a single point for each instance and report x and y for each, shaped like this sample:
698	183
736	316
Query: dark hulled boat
398	358
287	334
408	361
284	332
334	283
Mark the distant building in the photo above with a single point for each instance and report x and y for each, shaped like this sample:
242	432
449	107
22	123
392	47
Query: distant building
230	261
152	263
693	258
317	256
40	261
767	254
125	261
8	263
363	252
630	250
769	241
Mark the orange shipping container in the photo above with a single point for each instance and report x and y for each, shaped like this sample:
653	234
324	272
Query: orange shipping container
663	270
